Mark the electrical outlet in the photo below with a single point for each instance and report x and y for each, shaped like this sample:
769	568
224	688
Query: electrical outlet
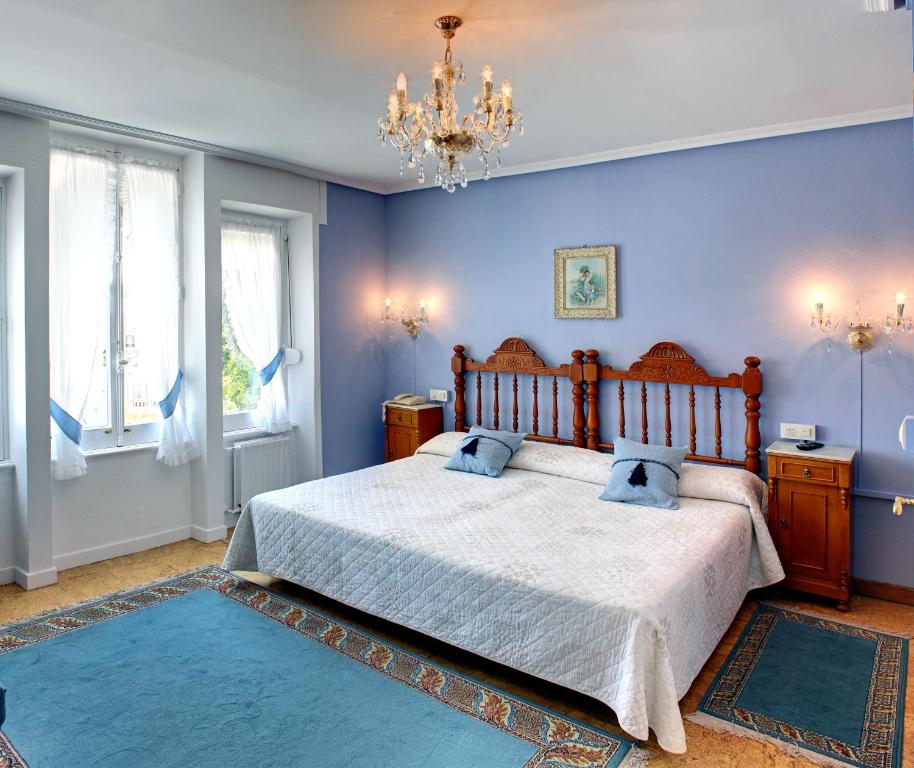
438	395
798	431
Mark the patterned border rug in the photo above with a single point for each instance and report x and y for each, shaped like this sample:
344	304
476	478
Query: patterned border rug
821	689
558	741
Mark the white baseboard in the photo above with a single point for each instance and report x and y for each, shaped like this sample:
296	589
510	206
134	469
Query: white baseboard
7	574
118	548
35	579
231	519
207	535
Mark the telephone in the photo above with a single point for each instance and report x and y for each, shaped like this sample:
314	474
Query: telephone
407	399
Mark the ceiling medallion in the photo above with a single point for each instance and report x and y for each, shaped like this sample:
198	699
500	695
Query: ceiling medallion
430	126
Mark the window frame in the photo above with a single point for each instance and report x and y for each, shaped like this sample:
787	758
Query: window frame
248	420
117	434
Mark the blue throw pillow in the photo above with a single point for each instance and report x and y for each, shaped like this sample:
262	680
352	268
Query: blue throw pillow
485	451
644	474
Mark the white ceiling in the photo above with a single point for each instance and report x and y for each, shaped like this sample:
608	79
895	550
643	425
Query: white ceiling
306	81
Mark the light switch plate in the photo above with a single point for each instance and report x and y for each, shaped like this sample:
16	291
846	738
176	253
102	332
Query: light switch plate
438	395
798	431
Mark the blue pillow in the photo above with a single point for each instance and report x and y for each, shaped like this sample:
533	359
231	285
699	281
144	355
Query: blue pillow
644	474
485	451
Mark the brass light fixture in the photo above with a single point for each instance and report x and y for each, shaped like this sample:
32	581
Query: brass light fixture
862	330
898	506
412	320
431	126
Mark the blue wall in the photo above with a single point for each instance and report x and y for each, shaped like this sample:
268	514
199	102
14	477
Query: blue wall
720	249
352	365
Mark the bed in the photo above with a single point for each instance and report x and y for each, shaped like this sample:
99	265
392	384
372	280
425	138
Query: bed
532	570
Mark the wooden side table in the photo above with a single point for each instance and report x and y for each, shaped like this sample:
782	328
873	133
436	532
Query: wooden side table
406	427
810	517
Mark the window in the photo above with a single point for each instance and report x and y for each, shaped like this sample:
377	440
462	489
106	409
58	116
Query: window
254	273
115	292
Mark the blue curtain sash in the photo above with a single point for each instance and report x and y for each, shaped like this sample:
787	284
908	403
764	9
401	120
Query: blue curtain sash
170	402
269	370
68	425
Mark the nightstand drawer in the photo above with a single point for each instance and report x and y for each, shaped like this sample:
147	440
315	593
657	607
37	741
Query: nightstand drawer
795	469
401	416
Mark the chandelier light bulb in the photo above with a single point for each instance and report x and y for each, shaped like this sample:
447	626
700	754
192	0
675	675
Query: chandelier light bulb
401	82
900	297
487	74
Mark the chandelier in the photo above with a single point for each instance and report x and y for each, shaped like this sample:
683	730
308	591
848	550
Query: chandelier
430	126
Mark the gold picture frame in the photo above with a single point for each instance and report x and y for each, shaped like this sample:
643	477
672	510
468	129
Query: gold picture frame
585	282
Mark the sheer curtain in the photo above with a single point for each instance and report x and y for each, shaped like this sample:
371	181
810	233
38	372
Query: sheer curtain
81	242
150	261
251	287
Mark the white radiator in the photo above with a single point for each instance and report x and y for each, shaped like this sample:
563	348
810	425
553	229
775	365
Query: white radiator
259	465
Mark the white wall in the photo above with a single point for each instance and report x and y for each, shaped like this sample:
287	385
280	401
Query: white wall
24	161
7	508
128	502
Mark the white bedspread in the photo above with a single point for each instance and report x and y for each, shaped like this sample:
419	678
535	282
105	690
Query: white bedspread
620	602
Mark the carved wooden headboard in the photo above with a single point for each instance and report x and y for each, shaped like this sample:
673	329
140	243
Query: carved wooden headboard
665	364
514	356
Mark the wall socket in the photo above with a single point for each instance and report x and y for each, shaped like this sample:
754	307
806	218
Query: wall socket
798	431
438	395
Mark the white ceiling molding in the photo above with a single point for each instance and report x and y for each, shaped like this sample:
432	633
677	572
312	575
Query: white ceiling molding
82	121
410	185
730	137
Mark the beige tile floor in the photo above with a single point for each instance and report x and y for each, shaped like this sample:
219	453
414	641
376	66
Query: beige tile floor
706	747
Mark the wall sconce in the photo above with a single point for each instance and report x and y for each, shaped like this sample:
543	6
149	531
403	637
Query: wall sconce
411	320
861	336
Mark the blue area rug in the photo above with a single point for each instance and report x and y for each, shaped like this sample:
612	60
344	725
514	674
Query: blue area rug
209	670
829	691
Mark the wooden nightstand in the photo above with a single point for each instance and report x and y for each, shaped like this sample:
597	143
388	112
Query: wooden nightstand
406	427
810	517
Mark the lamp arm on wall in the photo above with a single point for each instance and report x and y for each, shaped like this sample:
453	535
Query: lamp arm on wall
900	501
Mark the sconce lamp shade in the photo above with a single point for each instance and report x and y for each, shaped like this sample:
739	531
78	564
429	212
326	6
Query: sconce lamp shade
906	434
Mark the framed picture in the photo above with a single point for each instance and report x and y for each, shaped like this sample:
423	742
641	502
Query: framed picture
585	282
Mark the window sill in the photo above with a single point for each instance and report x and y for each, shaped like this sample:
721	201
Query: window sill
101	453
232	436
7	465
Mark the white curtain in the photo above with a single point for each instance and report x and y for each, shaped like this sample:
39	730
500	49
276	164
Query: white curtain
150	258
251	271
82	194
